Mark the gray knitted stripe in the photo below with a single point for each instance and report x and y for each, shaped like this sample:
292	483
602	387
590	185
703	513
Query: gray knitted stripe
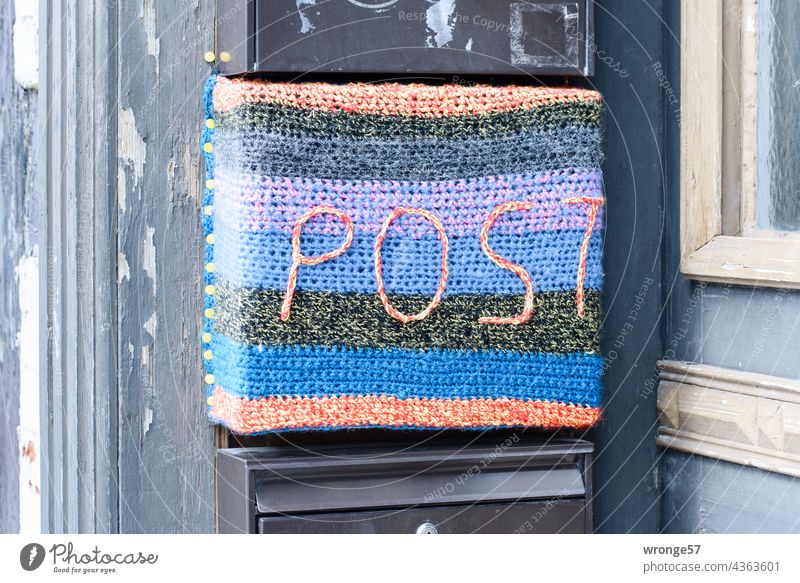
268	154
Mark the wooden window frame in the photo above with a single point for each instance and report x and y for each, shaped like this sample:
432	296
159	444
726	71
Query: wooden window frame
720	241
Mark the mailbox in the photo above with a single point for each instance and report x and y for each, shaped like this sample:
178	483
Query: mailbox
504	483
501	37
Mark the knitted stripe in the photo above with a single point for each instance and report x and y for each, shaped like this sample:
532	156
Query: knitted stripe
270	154
249	315
410	266
251	203
286	413
394	98
316	371
297	121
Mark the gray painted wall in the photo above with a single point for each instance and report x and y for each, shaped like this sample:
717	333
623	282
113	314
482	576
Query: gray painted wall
744	328
704	495
17	237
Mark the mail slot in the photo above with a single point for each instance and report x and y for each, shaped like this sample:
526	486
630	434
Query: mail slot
509	483
501	37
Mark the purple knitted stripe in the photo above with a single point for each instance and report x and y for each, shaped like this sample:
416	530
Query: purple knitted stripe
254	203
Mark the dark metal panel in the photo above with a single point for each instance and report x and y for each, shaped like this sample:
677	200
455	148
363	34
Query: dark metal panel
630	40
236	503
362	477
437	476
545	37
546	517
166	444
235	34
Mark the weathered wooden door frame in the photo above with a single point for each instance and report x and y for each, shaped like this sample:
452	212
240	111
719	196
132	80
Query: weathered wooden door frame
78	100
112	74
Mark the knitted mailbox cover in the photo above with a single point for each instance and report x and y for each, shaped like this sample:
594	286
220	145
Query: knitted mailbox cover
402	256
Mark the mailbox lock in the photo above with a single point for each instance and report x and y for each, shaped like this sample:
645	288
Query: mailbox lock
427	528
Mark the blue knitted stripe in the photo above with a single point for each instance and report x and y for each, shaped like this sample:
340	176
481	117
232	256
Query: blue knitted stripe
255	371
410	266
267	154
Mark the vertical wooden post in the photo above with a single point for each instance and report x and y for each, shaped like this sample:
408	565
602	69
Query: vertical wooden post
127	447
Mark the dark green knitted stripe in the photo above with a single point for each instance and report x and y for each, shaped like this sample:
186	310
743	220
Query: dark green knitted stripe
289	120
251	315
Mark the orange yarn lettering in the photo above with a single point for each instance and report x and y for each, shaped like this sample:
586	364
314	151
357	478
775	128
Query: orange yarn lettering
594	208
405	319
505	264
299	259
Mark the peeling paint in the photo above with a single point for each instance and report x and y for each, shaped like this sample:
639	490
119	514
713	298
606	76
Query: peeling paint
26	43
438	17
132	147
151	325
123	269
306	26
147	421
29	451
29	403
148	17
149	256
122	190
191	171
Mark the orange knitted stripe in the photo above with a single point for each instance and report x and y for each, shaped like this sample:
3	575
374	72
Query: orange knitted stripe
244	415
394	99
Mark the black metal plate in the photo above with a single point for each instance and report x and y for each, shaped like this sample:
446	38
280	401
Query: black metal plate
547	517
470	37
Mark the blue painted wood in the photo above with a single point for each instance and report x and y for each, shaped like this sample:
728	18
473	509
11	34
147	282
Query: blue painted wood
166	444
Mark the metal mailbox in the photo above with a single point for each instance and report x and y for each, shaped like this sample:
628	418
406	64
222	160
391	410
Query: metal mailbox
506	484
468	37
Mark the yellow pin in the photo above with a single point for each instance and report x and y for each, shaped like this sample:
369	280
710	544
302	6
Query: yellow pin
210	57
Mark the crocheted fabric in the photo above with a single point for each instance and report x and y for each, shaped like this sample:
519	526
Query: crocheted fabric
401	256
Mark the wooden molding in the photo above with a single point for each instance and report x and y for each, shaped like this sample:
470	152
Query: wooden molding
746	418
